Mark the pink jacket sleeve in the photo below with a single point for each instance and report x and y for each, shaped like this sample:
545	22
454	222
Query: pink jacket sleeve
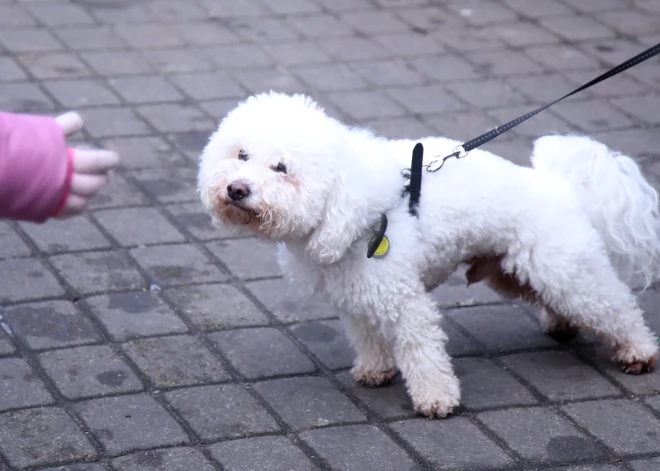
35	171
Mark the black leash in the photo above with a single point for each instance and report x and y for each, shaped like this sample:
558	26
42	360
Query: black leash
379	244
462	150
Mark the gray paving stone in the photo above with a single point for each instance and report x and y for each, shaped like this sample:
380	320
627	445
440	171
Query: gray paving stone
145	89
362	447
61	15
327	341
194	219
239	56
545	123
487	93
654	403
330	77
92	272
596	467
25	279
50	324
646	465
42	436
117	62
271	453
374	22
445	68
14	16
169	185
10	70
389	402
354	49
247	258
609	421
640	107
144	152
129	423
462	125
401	128
482	12
293	7
24	98
79	467
113	122
11	244
366	104
146	36
175	459
64	236
52	65
21	387
522	34
539	9
138	226
264	30
503	63
501	328
217	412
307	402
410	44
639	385
175	361
264	80
542	436
577	28
320	26
119	192
261	352
206	86
213	307
593	115
423	18
562	58
176	118
130	315
204	33
464	39
89	371
389	73
478	377
89	38
6	346
560	376
178	60
171	265
231	9
28	40
455	444
459	344
81	93
622	86
297	53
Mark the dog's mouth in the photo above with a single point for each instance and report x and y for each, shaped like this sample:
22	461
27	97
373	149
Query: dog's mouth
237	213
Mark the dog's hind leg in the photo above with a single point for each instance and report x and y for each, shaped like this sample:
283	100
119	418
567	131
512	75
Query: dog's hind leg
374	365
583	286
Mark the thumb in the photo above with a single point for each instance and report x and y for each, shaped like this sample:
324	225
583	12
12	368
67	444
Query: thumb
70	122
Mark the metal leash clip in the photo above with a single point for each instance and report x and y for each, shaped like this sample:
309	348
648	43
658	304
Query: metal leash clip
435	165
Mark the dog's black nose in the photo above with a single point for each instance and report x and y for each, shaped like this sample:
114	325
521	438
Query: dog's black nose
238	190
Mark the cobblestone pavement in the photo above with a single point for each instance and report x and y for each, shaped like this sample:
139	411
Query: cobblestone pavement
139	338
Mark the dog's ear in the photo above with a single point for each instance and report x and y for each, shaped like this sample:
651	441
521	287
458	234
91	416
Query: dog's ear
341	223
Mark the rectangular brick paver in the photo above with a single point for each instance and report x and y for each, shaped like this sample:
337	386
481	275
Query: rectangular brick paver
140	337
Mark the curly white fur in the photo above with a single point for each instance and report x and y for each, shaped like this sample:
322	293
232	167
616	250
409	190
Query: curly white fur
552	233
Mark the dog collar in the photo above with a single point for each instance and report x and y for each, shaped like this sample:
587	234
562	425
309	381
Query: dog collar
379	245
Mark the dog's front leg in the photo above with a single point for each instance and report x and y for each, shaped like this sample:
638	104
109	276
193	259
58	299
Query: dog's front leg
419	352
374	365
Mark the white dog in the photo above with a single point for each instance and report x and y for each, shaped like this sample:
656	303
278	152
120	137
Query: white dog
571	234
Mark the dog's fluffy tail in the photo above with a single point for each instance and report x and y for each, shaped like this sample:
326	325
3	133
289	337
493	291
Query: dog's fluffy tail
622	205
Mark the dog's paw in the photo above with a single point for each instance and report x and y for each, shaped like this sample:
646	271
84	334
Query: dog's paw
373	378
436	409
638	367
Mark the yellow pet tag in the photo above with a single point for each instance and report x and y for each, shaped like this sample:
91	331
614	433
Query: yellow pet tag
382	248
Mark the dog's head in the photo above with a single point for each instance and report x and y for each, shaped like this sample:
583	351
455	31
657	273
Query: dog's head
270	168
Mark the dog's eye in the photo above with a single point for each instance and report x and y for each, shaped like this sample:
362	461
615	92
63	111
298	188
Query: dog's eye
281	168
242	155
